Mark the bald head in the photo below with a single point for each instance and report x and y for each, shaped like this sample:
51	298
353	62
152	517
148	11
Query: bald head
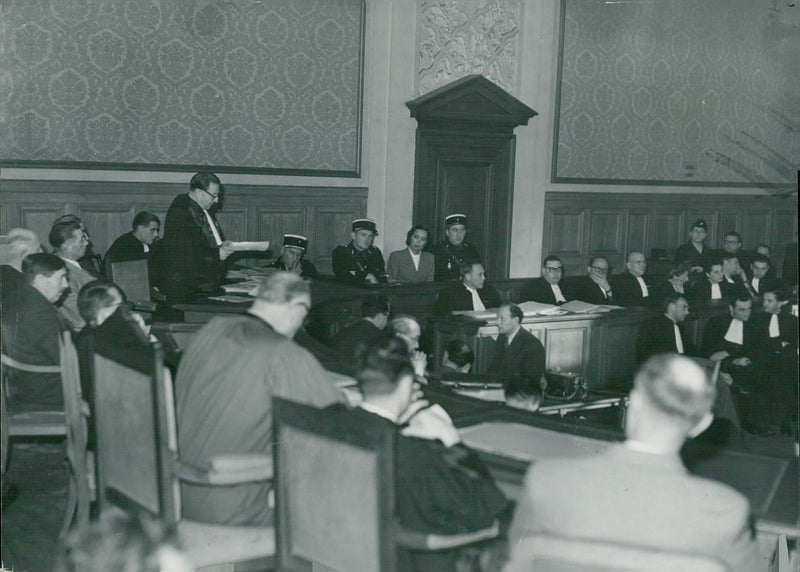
16	245
636	264
283	301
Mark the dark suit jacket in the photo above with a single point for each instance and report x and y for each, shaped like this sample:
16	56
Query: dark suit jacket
627	291
701	290
347	340
585	289
457	297
789	267
687	253
524	357
769	281
657	335
438	490
186	261
714	339
766	346
10	279
401	267
539	290
126	247
31	327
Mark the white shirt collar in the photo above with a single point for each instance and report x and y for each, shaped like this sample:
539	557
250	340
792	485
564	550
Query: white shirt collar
774	327
514	335
558	293
379	411
644	447
415	258
735	333
70	261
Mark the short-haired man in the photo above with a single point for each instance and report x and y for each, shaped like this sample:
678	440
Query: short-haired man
694	252
90	261
190	260
441	486
517	352
639	493
732	244
630	288
224	388
761	279
776	338
31	329
730	338
454	250
292	258
734	276
134	245
593	288
663	333
14	247
472	293
546	288
359	262
69	241
374	318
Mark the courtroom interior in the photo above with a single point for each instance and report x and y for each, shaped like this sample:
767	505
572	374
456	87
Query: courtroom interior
400	285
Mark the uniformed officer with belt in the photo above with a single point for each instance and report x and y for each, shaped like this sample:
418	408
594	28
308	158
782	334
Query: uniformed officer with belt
359	262
292	258
454	249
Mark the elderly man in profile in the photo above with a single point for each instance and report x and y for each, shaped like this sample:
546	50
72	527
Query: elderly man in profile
472	293
639	493
69	241
224	390
630	288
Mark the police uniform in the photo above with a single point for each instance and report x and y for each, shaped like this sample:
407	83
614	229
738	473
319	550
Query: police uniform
352	265
450	257
307	268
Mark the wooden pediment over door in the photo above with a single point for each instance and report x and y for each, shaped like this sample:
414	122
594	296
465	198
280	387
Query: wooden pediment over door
465	163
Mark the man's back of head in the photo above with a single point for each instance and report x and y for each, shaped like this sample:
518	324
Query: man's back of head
382	363
671	396
19	243
376	306
283	301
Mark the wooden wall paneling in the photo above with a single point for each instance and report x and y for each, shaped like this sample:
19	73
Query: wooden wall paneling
233	220
667	229
639	224
105	222
756	228
730	219
332	227
38	218
9	216
565	238
606	231
273	222
784	230
566	349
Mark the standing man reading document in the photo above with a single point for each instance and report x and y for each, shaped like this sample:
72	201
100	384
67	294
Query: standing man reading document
191	256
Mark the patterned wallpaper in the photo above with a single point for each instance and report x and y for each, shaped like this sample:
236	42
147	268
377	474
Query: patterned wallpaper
456	38
686	91
260	84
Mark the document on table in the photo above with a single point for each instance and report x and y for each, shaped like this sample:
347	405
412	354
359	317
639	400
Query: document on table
251	245
249	287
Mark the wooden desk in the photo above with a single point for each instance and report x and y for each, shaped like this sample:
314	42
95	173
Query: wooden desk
599	347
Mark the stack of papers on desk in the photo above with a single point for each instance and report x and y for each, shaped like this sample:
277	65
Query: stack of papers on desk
250	245
478	314
539	309
249	287
232	298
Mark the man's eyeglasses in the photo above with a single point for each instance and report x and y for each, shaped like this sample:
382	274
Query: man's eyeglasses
213	196
599	269
554	268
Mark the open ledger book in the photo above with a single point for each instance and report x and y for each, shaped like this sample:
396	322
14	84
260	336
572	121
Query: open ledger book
540	309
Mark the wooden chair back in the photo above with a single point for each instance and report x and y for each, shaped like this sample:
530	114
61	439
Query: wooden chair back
134	429
545	553
334	486
133	277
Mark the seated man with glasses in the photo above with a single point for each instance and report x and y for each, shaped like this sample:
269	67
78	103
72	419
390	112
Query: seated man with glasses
593	288
190	260
546	289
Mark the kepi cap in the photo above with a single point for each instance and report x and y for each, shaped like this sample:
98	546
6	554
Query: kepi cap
700	223
452	219
296	241
365	224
